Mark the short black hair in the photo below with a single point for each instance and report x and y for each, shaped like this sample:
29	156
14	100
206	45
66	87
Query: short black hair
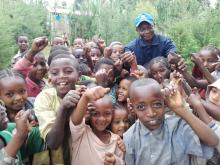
106	61
55	53
71	58
143	82
159	59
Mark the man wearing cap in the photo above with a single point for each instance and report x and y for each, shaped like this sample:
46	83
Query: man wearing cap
149	45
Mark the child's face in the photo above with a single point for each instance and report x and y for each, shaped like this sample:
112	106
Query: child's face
23	43
148	104
159	72
80	56
39	69
95	55
120	122
123	88
63	75
214	96
13	92
101	117
78	43
117	50
208	59
58	41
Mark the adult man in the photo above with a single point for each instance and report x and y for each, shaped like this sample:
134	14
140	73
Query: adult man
149	45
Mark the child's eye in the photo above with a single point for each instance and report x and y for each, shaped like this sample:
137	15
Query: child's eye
107	114
157	105
116	121
10	94
22	91
140	107
54	73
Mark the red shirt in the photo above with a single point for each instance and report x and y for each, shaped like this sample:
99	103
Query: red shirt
32	88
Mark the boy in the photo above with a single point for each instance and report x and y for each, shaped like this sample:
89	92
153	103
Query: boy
23	44
161	141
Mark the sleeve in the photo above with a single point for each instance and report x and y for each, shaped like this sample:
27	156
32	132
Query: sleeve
77	130
191	142
129	154
215	127
130	46
46	115
23	66
6	159
34	143
169	46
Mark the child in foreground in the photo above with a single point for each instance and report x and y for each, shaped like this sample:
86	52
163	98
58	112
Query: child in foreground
93	143
160	140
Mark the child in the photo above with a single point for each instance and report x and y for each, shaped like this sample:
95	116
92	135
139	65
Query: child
34	80
57	41
93	143
122	91
23	44
160	140
78	43
54	105
13	93
120	121
21	144
25	64
159	69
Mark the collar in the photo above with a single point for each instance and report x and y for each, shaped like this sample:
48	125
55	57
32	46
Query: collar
145	131
155	41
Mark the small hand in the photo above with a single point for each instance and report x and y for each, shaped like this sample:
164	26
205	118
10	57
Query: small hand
22	124
121	144
71	99
95	93
39	44
102	76
107	52
172	97
109	159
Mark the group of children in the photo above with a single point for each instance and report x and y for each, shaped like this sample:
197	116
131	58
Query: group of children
92	104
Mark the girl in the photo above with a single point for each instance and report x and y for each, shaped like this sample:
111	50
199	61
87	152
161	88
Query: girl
122	92
120	121
159	69
13	93
93	143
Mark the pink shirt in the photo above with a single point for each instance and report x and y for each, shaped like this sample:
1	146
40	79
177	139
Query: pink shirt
23	66
32	88
88	149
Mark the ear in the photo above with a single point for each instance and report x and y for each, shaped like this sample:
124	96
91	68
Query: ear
137	29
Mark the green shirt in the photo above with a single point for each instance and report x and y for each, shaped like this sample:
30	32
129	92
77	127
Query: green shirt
33	144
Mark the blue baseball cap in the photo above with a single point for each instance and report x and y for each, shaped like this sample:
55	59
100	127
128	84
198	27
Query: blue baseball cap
144	17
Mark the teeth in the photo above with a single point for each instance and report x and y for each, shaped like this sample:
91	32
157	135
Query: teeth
63	83
153	121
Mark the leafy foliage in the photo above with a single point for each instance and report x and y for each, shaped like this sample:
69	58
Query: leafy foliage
16	18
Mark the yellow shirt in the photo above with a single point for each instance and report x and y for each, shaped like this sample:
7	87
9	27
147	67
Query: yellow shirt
46	107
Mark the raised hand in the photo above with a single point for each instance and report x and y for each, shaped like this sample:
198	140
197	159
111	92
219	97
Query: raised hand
102	77
95	93
172	97
39	44
22	123
107	52
71	99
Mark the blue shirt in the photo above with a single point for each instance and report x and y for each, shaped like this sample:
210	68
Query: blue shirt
160	46
172	143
